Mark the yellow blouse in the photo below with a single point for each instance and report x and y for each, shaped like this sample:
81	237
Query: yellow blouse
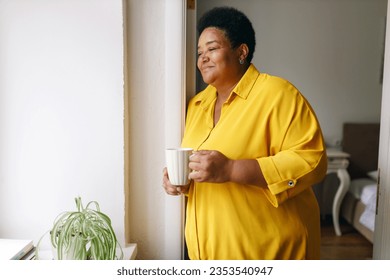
265	118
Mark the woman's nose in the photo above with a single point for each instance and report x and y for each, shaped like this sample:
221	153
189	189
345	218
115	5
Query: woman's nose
204	57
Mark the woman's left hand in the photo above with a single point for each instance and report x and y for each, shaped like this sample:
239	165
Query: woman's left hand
210	166
171	189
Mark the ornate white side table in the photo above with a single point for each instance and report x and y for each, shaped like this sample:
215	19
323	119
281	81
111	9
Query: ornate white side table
338	163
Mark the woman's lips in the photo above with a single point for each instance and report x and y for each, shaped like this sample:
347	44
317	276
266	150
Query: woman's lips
205	68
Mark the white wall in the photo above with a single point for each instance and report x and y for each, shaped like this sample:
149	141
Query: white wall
61	111
330	49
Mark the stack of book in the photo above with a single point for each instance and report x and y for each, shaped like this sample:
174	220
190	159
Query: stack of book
16	249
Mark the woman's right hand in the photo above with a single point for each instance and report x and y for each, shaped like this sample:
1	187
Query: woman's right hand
171	189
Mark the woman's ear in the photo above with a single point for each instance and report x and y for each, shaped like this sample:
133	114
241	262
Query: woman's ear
243	51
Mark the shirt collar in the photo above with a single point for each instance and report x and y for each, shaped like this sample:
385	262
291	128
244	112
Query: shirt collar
206	97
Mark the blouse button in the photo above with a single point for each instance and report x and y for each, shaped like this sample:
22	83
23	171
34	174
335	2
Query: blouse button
291	183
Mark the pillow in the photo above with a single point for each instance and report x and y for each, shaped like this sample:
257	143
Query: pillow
373	174
357	185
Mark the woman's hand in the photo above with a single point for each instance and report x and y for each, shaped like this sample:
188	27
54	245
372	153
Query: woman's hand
210	166
214	167
171	189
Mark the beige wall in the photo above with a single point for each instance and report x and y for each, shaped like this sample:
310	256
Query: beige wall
155	100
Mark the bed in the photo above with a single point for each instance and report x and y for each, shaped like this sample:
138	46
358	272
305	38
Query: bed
361	141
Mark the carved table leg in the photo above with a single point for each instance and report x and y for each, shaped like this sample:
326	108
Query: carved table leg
343	175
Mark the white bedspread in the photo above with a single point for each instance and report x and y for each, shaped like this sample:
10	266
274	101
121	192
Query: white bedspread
368	198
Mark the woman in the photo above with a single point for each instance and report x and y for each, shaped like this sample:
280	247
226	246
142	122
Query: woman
258	150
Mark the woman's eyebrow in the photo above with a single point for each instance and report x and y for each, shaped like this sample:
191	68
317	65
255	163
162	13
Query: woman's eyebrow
210	42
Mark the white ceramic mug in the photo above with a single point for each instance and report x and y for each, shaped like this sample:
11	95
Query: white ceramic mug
177	160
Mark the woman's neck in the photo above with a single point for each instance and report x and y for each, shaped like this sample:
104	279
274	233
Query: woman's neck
224	90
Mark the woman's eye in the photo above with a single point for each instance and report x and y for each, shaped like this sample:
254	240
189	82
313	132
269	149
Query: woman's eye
208	50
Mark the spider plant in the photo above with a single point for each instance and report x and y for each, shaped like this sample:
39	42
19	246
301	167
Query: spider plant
84	234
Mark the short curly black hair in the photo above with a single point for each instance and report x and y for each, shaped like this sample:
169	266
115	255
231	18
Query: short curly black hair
236	25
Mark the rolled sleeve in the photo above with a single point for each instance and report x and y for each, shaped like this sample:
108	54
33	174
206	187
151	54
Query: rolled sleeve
289	173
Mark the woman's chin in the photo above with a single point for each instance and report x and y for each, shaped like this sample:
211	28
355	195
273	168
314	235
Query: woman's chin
207	79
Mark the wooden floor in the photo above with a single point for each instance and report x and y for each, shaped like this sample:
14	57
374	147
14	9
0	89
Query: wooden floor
351	245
